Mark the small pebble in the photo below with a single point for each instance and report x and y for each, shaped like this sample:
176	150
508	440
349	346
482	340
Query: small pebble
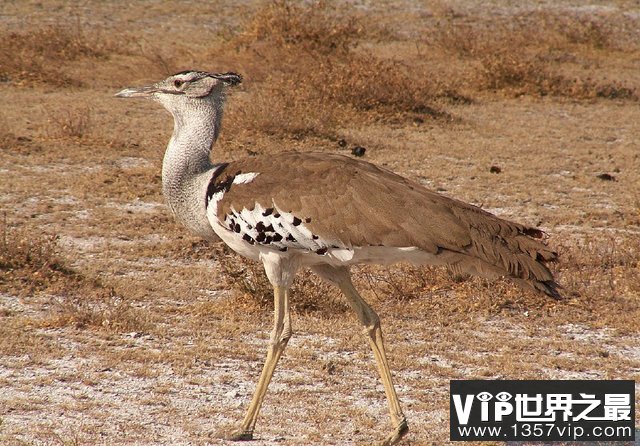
606	177
358	151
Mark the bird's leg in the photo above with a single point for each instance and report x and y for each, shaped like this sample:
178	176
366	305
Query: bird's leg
371	323
279	337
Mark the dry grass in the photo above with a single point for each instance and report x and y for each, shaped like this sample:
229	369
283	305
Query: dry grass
32	265
600	287
298	27
595	31
598	275
506	69
34	56
313	76
525	55
313	73
250	283
106	311
601	279
68	123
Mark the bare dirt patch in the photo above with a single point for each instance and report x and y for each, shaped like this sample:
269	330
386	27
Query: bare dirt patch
117	327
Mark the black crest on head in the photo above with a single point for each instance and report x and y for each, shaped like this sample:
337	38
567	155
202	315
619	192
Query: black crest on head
228	78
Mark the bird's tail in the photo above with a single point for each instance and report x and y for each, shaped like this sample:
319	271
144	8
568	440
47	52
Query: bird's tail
502	248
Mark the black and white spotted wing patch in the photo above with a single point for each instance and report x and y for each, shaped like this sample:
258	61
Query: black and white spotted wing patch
275	228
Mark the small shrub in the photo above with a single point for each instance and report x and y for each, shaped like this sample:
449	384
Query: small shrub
508	70
312	77
35	56
31	263
161	61
293	26
590	31
66	123
105	310
511	72
524	54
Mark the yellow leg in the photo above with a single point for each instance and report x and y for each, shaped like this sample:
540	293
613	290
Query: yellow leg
371	322
279	337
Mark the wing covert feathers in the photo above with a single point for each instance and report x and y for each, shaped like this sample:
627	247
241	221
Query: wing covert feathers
359	204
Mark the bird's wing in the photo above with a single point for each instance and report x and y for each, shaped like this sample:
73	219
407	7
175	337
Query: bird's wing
343	199
353	203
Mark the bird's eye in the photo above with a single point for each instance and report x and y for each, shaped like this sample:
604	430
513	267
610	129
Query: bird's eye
178	83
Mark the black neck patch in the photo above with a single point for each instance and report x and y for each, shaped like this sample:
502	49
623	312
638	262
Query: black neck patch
218	186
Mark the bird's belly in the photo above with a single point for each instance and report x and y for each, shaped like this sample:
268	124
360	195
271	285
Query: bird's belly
387	255
379	255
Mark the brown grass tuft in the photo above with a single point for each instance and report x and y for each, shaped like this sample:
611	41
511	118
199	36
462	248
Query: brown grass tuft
510	71
294	26
105	310
7	137
601	280
526	55
69	123
31	264
159	59
35	56
588	30
507	70
313	76
598	275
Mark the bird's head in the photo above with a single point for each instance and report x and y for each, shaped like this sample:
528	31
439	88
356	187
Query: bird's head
184	88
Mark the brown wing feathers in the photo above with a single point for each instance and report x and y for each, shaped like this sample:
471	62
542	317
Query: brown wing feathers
363	205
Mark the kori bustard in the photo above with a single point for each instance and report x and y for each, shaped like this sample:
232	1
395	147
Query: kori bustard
325	212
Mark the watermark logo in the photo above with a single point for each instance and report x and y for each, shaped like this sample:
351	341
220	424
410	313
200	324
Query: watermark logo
542	410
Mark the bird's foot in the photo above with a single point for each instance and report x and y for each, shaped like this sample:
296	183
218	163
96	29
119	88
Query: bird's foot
400	431
233	434
239	435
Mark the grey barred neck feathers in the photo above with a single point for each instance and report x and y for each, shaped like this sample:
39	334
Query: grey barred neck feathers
196	100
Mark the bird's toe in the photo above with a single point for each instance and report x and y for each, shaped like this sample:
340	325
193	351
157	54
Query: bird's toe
239	435
400	431
232	434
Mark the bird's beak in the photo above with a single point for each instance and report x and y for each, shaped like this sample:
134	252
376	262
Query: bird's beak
137	92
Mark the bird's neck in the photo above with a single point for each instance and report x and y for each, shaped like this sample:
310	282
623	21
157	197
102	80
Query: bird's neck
186	168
